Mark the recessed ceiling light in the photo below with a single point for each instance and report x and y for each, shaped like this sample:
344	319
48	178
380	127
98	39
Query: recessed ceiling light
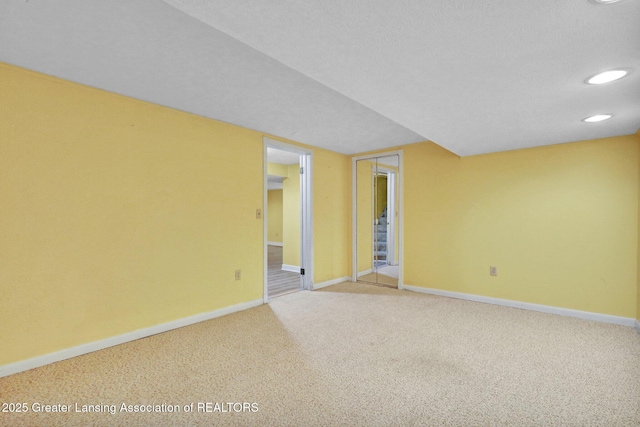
597	118
606	77
604	1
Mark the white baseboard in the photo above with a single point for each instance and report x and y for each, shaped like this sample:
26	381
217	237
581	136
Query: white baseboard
275	244
36	362
586	315
331	282
638	326
291	268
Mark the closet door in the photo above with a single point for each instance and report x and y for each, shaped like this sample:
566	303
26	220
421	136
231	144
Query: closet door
376	220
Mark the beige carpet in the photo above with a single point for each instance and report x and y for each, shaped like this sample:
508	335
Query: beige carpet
356	355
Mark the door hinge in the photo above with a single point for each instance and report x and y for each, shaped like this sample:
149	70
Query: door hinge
302	271
301	171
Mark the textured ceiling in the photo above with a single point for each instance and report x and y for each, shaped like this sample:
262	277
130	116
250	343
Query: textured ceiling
148	50
472	76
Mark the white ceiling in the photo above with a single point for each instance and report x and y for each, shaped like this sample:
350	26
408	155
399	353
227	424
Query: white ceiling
282	157
472	76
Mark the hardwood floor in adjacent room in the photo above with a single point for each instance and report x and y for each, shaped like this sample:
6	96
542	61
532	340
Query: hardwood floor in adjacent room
280	282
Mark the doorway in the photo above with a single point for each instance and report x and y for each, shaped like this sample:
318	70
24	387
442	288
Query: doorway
287	219
377	219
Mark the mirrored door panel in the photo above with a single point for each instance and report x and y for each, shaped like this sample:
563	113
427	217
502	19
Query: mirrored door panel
377	220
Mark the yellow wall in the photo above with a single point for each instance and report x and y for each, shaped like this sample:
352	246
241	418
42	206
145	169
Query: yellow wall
332	215
119	214
113	218
559	222
291	217
274	222
277	169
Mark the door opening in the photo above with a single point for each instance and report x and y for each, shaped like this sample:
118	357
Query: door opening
288	262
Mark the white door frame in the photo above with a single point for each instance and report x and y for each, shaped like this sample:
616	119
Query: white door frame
306	212
354	212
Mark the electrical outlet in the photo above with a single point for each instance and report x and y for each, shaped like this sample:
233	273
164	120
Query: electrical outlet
258	213
493	271
237	274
